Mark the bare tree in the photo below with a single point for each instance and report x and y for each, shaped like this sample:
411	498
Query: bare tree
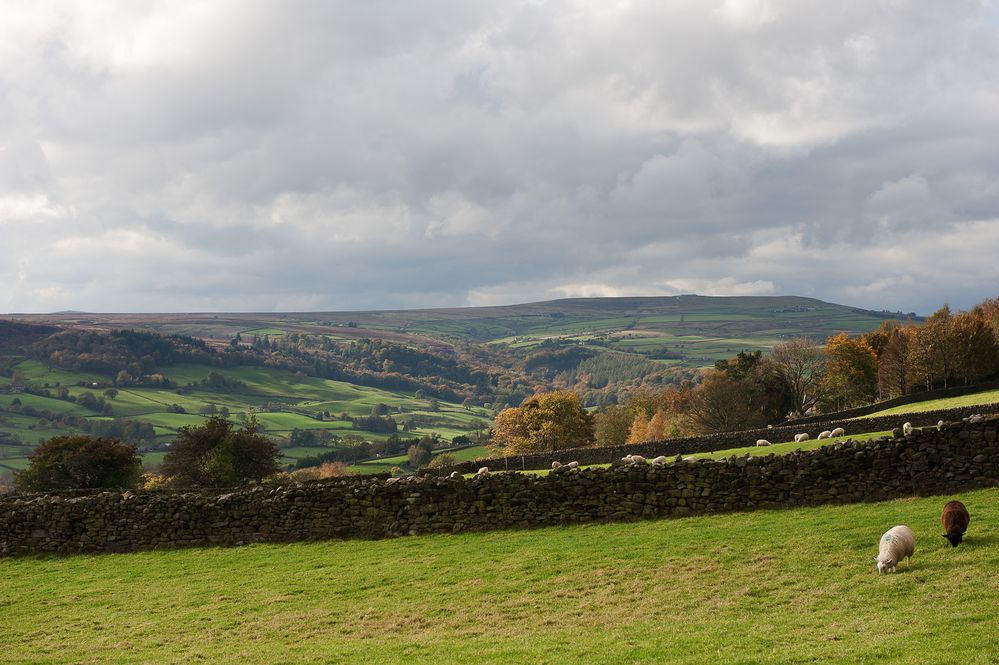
801	365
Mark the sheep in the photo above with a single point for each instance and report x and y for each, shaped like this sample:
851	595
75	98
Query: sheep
573	465
660	461
839	431
906	429
798	438
825	434
637	459
455	474
484	471
955	520
896	543
940	423
556	465
762	442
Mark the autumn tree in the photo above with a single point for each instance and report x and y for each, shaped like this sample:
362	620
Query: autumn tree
975	343
638	432
851	373
546	422
800	365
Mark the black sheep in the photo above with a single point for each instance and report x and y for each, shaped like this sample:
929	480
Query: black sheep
955	520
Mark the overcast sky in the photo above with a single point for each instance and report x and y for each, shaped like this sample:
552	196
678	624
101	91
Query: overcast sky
258	156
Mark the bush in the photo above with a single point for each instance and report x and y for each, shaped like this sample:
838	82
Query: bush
216	455
81	462
442	460
418	456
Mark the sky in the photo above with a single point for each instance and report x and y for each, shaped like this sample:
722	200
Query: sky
294	155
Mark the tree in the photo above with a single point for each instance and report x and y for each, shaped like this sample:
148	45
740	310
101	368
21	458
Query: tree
544	423
800	364
638	432
217	455
418	455
81	462
612	426
721	403
891	343
977	354
851	372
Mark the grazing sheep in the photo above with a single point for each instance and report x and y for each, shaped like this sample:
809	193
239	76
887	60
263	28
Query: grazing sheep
762	442
897	542
455	474
825	434
955	520
940	423
798	438
484	471
839	431
626	459
556	465
660	461
907	428
637	459
573	465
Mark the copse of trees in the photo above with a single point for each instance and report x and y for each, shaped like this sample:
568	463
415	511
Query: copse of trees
216	454
81	462
801	376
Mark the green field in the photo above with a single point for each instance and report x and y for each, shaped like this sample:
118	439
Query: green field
385	464
764	587
987	397
299	399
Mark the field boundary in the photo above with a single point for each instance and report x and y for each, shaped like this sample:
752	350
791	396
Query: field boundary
956	457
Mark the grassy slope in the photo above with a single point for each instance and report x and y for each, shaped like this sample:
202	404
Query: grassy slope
764	587
385	464
987	397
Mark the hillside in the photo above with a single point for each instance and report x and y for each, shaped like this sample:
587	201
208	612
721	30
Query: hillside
772	586
441	372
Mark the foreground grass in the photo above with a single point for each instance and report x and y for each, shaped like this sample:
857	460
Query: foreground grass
764	587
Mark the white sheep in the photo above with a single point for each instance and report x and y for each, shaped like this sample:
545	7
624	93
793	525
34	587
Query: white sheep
825	434
897	542
484	471
573	465
798	438
627	459
556	465
907	428
660	461
637	459
940	423
839	431
762	442
455	474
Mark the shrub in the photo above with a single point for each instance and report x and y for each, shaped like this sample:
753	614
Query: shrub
81	462
418	456
216	455
444	459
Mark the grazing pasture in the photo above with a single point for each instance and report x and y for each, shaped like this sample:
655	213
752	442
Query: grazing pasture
772	586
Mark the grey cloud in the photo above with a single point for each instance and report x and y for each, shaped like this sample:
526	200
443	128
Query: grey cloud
314	155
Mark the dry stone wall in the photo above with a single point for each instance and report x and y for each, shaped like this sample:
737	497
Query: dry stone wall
959	456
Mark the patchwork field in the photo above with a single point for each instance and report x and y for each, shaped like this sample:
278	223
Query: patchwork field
765	587
281	401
